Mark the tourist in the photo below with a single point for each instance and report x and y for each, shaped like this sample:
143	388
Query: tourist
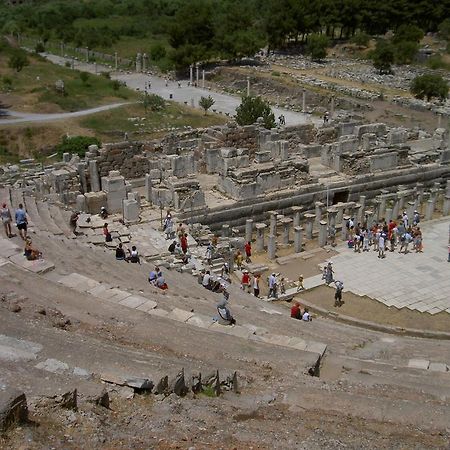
405	219
405	239
248	252
256	279
300	286
120	253
103	213
206	281
180	231
296	312
209	253
418	240
29	252
153	275
416	218
273	284
134	255
161	282
306	316
245	281
73	221
184	243
282	286
106	233
365	235
329	273
381	242
168	226
5	214
338	293
225	316
21	221
172	247
326	117
238	260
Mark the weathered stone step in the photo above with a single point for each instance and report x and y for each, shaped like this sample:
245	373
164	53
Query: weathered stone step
33	213
44	214
60	220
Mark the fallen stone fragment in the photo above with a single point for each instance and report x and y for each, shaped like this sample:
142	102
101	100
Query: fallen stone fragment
13	408
140	383
162	386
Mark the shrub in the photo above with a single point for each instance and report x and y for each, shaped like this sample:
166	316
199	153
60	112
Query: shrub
206	102
39	48
361	39
251	108
317	46
157	52
116	85
429	86
154	102
106	75
76	144
84	77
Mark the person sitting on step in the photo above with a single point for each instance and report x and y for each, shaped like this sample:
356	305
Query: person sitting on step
134	255
161	282
296	312
31	253
225	316
120	253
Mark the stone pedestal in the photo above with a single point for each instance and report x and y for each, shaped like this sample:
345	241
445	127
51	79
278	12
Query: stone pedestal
286	226
93	176
309	218
272	247
296	215
388	215
340	212
130	211
148	188
322	233
344	231
298	239
116	191
248	230
260	227
95	201
430	209
81	168
226	231
81	203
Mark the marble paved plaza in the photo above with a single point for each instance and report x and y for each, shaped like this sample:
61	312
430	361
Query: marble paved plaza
417	281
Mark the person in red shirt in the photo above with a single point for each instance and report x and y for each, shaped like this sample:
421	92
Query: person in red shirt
245	282
296	312
184	243
248	252
391	226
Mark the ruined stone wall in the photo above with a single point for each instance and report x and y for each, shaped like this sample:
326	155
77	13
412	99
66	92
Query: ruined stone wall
126	157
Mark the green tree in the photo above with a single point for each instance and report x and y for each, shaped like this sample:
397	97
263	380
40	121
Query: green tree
251	108
383	56
429	86
206	102
18	60
405	52
361	39
408	33
157	51
317	46
154	102
444	29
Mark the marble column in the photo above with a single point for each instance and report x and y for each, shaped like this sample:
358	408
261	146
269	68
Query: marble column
248	230
382	211
446	206
388	215
332	217
362	202
411	206
93	175
273	222
322	233
81	203
447	188
369	215
286	228
430	209
81	168
191	74
298	238
401	202
148	188
419	196
260	227
344	231
116	61
304	100
309	225
376	210
226	230
296	212
272	247
340	212
395	209
319	206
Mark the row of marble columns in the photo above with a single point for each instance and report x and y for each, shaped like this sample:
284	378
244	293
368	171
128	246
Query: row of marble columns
325	220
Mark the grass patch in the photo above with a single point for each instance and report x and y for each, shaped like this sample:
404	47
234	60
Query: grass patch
173	115
6	156
35	88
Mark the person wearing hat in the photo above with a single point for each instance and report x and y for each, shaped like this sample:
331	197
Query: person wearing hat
273	285
416	218
103	213
5	214
245	282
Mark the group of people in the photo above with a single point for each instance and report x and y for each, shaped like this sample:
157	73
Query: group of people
298	313
387	236
156	278
129	256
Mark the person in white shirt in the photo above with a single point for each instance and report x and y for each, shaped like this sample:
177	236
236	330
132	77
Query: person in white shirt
381	246
306	316
206	282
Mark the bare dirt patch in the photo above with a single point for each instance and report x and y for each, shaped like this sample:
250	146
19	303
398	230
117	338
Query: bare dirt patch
365	308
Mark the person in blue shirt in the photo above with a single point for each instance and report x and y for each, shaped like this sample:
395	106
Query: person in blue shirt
21	221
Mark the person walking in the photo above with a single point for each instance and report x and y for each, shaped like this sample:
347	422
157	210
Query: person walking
256	285
5	214
21	221
248	252
381	244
